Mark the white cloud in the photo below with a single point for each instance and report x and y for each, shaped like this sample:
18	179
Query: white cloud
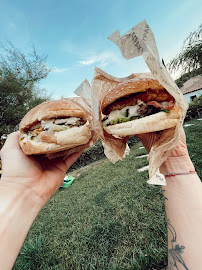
87	62
59	70
102	59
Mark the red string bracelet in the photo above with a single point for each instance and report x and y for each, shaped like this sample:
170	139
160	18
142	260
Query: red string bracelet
181	173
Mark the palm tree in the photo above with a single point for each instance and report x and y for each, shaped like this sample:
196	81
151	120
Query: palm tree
190	57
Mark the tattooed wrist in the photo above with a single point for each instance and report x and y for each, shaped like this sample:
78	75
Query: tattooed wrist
175	253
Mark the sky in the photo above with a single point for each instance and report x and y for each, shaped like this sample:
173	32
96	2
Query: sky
74	34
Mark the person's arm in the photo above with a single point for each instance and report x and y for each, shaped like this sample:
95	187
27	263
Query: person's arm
25	186
183	204
18	209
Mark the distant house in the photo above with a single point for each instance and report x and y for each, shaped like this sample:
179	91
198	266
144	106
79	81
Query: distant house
192	88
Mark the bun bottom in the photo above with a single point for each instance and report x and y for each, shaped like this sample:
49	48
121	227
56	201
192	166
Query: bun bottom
151	123
68	152
61	141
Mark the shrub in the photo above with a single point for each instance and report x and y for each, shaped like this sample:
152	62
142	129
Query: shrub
195	109
95	153
89	155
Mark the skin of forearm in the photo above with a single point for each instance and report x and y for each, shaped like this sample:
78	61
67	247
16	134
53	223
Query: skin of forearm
183	203
18	209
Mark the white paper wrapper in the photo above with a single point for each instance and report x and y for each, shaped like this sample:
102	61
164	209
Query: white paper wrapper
114	148
138	41
84	90
111	155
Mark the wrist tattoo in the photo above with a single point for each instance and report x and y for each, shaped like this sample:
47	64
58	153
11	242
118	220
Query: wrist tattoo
175	253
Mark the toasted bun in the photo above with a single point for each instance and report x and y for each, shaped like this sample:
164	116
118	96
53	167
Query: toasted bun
133	86
62	140
152	123
52	109
47	143
68	152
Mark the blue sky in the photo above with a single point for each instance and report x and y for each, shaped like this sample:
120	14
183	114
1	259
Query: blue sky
74	34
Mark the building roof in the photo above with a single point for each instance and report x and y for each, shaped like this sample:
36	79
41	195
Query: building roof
192	85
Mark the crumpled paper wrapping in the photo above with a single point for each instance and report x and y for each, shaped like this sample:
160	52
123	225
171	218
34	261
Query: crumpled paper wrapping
114	148
138	41
85	103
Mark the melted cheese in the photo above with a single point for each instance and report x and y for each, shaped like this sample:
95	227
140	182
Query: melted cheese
48	124
121	114
67	121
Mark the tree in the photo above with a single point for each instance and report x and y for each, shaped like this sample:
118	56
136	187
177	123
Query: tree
190	57
19	78
195	109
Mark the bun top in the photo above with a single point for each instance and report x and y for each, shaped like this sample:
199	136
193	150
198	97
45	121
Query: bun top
132	86
53	109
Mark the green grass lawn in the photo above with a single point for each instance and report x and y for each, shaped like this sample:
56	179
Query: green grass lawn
109	218
194	144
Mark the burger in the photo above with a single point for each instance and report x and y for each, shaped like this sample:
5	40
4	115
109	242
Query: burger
139	105
55	126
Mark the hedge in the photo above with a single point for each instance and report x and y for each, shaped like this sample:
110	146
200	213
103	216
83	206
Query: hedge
195	109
